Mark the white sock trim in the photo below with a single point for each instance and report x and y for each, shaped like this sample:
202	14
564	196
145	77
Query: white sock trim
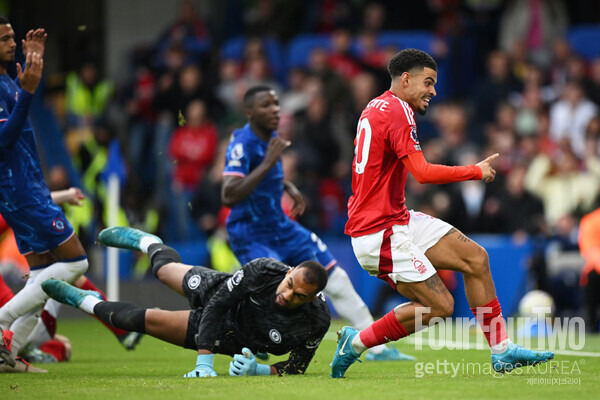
358	345
88	303
145	242
500	347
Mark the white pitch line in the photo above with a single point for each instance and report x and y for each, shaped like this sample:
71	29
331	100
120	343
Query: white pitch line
473	346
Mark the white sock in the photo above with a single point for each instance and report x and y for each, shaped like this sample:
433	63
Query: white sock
88	303
32	297
500	347
146	241
39	335
21	329
358	345
346	301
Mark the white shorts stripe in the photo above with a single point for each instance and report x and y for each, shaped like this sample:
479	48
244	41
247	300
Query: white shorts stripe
403	258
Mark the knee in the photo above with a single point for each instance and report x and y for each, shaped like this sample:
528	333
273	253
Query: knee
478	261
161	255
78	267
443	308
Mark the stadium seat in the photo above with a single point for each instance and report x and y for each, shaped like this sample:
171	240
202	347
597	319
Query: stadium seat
300	47
234	49
585	40
421	40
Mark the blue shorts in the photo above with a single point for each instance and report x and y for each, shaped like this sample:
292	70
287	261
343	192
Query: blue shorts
290	244
39	229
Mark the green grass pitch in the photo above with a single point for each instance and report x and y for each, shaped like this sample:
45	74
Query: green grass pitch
101	369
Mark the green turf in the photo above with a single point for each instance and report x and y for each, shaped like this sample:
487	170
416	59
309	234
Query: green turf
101	369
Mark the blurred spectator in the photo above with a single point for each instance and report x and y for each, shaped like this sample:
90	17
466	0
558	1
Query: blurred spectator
206	201
258	73
192	146
341	59
188	31
494	88
192	149
296	98
188	25
87	97
141	121
475	208
229	74
570	116
589	246
534	22
336	91
563	264
561	185
561	53
592	86
520	212
450	120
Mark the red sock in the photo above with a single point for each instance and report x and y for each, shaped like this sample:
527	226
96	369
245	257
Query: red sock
490	319
384	330
88	285
56	348
5	293
7	339
49	322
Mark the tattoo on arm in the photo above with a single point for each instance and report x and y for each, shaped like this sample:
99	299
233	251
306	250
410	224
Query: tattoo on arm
435	283
461	236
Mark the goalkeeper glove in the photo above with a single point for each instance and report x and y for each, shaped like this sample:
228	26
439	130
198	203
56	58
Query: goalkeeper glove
245	364
204	367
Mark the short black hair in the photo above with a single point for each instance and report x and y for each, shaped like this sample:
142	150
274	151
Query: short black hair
409	59
250	93
4	20
315	274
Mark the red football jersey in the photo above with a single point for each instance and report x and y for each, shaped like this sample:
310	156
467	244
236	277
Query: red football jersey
386	133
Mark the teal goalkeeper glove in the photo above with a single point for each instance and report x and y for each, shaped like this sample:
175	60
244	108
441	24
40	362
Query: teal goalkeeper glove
204	367
246	365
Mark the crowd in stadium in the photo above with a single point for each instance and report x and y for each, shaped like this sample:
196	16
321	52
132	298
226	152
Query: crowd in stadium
510	82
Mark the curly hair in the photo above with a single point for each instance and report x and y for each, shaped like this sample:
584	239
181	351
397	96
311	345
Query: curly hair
409	59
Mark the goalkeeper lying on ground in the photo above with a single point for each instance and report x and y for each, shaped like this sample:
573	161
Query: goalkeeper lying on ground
265	307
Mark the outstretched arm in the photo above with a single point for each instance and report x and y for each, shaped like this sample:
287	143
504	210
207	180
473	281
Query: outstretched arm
425	172
72	195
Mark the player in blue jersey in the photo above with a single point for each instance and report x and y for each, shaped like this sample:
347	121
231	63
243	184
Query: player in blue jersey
253	185
43	234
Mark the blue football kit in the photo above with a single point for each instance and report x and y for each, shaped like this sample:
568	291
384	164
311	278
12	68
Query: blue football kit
25	202
257	226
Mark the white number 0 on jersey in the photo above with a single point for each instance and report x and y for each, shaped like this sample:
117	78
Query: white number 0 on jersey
363	143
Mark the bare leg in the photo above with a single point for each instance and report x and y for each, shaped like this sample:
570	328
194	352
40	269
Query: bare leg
457	252
172	274
429	293
170	326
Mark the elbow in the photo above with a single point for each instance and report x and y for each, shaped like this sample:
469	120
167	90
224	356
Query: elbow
228	199
421	179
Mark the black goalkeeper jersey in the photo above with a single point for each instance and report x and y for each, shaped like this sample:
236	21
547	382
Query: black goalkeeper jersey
239	310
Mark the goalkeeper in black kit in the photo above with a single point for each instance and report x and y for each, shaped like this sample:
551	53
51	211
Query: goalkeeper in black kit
265	307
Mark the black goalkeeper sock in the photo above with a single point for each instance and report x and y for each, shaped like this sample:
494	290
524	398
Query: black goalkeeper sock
122	314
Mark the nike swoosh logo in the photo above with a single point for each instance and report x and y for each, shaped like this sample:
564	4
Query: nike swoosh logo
341	352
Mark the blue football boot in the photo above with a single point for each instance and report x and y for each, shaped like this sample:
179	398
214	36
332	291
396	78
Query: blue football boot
125	237
517	356
344	355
